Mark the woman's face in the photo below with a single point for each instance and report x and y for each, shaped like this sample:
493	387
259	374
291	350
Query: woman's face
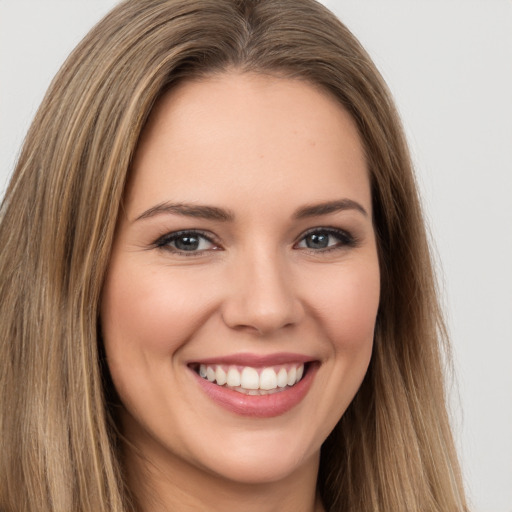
245	257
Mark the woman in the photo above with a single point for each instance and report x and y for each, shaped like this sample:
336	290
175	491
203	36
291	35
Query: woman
215	200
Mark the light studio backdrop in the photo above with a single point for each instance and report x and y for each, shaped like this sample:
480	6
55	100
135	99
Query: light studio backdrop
449	66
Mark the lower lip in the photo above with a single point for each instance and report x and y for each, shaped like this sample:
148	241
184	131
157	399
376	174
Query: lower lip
259	406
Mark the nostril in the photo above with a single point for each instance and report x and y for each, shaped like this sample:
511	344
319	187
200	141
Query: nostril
261	321
262	297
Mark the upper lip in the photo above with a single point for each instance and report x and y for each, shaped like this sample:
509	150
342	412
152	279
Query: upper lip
256	360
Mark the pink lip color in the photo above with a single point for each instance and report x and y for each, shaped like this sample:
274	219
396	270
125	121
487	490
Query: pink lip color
259	406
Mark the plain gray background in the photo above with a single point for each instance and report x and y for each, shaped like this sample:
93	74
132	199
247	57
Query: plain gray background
449	66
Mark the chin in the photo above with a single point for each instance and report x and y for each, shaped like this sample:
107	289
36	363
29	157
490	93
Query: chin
261	457
264	468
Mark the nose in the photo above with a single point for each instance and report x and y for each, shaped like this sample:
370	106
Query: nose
261	296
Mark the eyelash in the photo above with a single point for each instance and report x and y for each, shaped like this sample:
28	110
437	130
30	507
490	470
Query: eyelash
345	239
164	242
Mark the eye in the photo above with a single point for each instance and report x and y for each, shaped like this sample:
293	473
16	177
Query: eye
325	239
186	241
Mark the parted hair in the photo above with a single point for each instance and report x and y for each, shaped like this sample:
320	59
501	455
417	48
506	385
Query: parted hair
60	450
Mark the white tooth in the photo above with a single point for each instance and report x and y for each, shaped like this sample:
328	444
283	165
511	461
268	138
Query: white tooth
210	373
202	371
220	376
282	378
268	379
300	372
253	392
250	378
233	377
292	373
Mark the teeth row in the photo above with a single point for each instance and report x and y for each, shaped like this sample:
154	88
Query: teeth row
250	379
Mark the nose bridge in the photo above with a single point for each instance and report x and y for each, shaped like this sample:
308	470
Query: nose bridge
262	294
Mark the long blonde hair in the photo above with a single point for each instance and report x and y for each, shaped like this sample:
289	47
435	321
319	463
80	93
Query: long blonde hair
59	448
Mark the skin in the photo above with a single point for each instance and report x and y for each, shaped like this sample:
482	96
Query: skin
262	148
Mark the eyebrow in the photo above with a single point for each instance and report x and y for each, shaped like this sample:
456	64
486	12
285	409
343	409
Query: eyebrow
329	207
189	210
223	215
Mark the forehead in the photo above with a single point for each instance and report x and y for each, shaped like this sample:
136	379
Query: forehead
236	136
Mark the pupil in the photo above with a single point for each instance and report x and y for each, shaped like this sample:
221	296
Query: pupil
187	243
317	241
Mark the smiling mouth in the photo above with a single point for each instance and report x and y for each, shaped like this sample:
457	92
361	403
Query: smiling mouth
252	380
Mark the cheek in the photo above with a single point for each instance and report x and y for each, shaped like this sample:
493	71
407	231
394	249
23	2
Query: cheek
146	319
149	312
347	305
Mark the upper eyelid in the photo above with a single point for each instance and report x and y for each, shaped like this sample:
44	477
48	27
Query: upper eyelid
330	230
323	228
181	232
